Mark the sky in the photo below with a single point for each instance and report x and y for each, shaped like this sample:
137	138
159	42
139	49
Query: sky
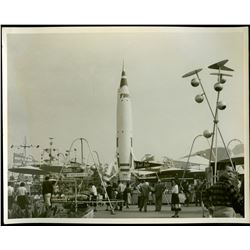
63	82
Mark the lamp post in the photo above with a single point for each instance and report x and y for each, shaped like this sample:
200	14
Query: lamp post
219	104
233	141
205	134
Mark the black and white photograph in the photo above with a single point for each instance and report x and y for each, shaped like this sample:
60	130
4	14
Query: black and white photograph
125	124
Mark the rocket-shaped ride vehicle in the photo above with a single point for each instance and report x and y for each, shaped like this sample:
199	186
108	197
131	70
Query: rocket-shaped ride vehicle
124	140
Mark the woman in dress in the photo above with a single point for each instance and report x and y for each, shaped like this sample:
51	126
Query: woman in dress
175	202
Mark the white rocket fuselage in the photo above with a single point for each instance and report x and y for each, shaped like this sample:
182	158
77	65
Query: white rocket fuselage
124	139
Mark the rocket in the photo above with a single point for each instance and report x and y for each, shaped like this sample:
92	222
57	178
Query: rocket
124	139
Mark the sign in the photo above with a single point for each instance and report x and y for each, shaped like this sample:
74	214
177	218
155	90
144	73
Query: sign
146	164
18	159
74	175
67	170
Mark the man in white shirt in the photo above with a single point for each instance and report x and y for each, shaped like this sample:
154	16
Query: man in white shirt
120	189
22	199
175	201
93	194
10	195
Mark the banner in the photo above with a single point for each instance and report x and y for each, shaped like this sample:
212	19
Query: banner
20	160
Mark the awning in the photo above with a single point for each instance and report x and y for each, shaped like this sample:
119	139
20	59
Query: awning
51	168
238	160
28	170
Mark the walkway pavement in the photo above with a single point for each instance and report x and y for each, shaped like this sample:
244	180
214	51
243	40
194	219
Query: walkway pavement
133	212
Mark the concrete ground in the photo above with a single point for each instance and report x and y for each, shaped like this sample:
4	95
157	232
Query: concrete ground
133	212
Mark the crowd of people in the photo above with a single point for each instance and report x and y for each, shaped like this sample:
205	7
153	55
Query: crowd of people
23	204
18	200
223	199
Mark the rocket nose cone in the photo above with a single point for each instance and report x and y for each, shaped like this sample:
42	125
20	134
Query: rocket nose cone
123	82
123	79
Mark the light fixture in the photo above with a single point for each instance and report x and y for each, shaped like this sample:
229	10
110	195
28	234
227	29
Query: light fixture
218	86
194	82
207	134
199	98
221	105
